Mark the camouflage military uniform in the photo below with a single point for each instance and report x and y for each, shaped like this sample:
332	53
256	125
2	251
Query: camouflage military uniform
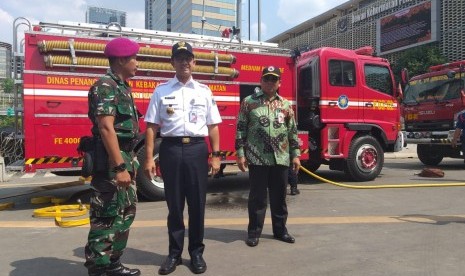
112	208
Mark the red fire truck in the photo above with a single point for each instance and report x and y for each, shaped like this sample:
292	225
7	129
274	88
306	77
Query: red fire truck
431	103
345	100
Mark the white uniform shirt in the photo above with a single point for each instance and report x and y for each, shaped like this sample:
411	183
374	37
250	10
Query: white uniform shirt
182	109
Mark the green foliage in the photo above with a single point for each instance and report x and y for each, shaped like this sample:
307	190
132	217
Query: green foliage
7	85
6	121
417	60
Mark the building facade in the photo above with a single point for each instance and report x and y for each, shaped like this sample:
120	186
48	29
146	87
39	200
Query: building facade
185	16
5	61
105	16
390	26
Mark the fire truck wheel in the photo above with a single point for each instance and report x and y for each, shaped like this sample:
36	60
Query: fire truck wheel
311	165
150	189
428	155
365	160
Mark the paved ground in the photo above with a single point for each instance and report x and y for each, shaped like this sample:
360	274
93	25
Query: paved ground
339	231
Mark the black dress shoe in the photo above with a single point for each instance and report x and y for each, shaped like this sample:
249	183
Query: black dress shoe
251	241
198	264
169	265
285	238
118	269
294	191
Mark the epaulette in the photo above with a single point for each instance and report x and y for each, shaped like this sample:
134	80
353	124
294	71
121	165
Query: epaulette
203	85
163	83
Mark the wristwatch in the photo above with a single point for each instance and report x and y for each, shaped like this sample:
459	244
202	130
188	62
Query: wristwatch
216	153
120	168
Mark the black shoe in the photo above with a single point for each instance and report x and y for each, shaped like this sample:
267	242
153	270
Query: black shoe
294	191
285	238
198	264
251	241
118	269
169	265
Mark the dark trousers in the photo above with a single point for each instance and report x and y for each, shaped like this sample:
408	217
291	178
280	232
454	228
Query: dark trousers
184	168
292	177
273	179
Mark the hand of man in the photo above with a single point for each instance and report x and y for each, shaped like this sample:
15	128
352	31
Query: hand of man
453	143
123	179
295	165
215	165
242	163
150	168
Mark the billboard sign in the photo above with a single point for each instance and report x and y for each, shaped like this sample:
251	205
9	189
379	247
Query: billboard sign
407	28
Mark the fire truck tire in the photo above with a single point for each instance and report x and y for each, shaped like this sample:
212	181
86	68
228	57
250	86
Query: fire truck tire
311	165
149	189
429	155
365	160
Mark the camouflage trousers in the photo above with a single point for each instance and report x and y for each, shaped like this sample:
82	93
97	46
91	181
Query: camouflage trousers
112	211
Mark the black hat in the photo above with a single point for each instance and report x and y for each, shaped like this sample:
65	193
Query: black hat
271	70
181	47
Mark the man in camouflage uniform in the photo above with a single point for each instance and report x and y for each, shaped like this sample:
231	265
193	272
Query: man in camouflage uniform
266	142
115	125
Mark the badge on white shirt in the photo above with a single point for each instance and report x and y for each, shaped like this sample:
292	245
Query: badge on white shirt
193	117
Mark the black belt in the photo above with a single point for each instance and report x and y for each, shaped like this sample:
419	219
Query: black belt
184	139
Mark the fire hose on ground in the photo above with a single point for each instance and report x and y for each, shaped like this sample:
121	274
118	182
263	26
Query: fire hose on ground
380	186
62	211
78	210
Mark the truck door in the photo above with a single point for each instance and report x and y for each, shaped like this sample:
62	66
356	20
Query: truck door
380	104
341	102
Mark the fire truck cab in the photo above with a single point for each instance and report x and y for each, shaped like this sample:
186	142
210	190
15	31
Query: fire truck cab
345	100
430	106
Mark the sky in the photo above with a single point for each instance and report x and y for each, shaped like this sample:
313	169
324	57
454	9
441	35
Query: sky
277	16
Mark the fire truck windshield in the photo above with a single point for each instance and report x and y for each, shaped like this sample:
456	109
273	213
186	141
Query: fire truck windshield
437	88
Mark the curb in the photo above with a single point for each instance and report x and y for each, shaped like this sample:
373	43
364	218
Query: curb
407	152
399	155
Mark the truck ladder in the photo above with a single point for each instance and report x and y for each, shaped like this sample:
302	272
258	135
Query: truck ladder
159	37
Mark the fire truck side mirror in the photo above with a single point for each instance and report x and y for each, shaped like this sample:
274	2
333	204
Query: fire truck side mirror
404	76
451	75
400	93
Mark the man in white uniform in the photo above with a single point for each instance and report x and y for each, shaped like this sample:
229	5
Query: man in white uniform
184	112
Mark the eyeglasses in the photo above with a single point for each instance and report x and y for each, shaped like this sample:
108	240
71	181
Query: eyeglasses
270	79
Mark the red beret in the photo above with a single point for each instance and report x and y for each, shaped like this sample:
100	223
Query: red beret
121	47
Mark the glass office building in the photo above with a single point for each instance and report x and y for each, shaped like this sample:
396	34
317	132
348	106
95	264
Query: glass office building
390	26
185	16
105	16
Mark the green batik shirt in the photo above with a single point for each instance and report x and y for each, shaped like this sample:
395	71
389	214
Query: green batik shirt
112	96
266	131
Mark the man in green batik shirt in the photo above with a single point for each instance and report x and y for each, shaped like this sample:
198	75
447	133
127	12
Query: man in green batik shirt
114	126
266	143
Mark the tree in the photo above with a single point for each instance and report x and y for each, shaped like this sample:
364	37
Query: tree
7	85
417	60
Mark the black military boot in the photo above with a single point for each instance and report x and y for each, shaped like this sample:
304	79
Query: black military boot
97	271
118	269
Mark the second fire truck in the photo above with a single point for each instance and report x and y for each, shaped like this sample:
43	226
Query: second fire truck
345	100
431	104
